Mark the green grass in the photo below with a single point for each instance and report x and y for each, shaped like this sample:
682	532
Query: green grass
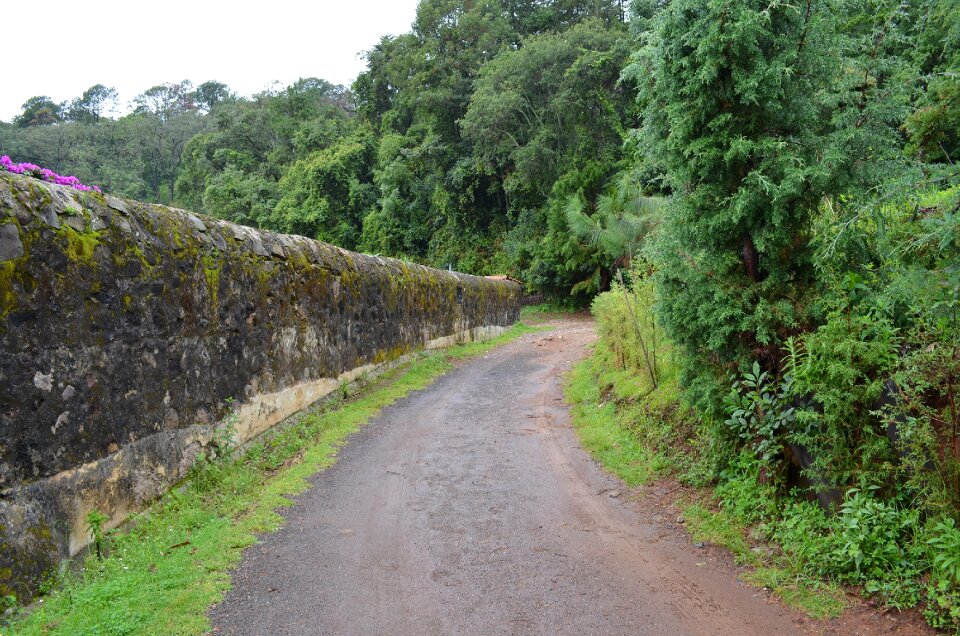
172	563
472	349
546	311
813	597
797	589
633	433
605	433
719	528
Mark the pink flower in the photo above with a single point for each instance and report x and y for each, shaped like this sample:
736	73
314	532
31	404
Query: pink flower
44	173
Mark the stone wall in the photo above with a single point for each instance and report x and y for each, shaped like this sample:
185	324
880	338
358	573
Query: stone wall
128	331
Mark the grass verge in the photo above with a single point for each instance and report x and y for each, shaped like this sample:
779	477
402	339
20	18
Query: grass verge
604	431
172	562
637	435
532	314
813	597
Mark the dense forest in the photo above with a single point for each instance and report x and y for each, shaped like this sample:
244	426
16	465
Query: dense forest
769	189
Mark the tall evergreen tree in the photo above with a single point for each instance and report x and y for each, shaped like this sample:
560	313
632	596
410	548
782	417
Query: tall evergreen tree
738	107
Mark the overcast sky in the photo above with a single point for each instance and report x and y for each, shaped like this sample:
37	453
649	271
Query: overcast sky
60	49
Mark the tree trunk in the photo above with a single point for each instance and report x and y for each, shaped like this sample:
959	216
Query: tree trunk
751	260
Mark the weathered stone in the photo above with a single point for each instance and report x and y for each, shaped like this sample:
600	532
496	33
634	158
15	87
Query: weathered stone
257	245
10	245
43	381
49	216
218	241
97	223
117	204
77	222
196	223
171	420
148	326
62	419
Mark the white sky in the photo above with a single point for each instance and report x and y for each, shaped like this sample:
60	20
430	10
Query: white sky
68	47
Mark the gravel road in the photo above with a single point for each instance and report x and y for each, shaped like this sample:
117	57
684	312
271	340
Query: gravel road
470	508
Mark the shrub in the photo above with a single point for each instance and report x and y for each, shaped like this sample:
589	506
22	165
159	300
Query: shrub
45	174
943	587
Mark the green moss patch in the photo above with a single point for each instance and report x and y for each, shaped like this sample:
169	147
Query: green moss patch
78	246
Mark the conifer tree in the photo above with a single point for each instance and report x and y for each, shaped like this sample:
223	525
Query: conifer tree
738	104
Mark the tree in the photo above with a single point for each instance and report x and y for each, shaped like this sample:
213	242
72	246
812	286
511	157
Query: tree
550	105
160	141
238	196
738	106
623	217
416	90
536	17
327	195
48	146
166	100
253	145
934	125
209	94
546	122
91	106
389	66
39	111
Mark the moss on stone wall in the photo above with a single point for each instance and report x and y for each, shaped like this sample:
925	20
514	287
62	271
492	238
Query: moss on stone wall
122	322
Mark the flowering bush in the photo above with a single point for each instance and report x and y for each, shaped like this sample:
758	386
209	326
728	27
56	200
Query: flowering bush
33	170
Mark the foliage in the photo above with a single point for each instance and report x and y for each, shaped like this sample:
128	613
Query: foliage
756	114
760	412
943	589
95	521
745	493
843	366
328	194
547	106
935	121
95	102
449	97
739	138
871	539
234	171
621	220
39	111
626	326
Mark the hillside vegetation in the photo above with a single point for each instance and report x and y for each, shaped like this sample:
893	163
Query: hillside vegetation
765	196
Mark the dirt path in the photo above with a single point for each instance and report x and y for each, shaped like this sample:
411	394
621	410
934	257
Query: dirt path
470	508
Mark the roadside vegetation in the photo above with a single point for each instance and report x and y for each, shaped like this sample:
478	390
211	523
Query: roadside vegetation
888	532
761	199
542	312
169	564
783	328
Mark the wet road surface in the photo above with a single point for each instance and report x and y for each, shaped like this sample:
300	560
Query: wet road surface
470	508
